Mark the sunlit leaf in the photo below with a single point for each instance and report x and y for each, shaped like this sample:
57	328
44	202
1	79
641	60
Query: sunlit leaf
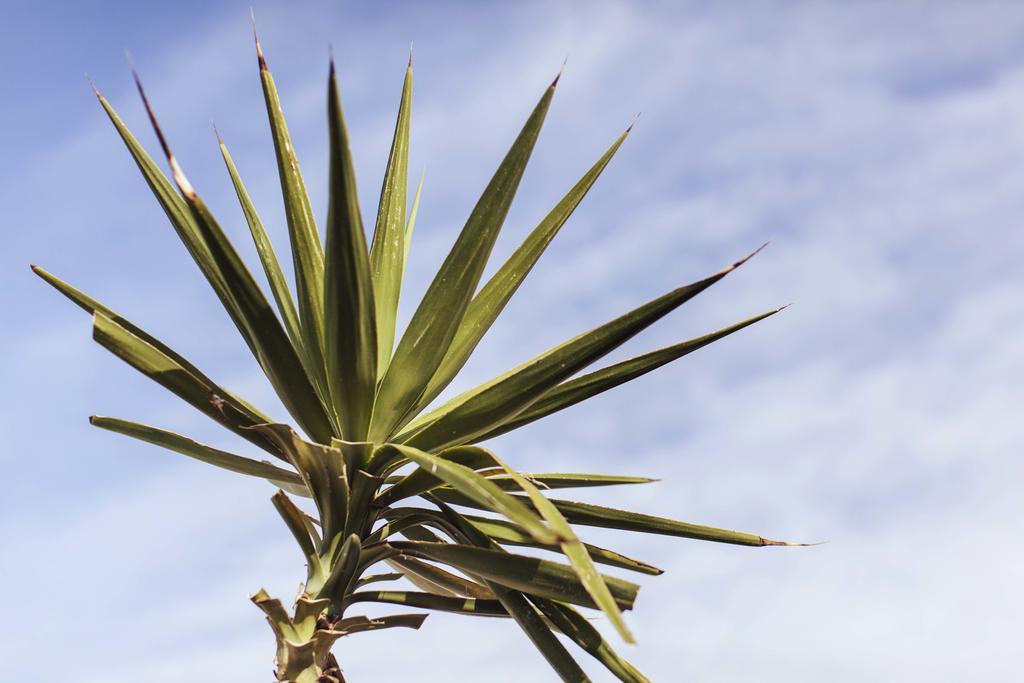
307	250
479	489
575	551
588	514
488	304
350	326
389	247
581	388
268	257
475	412
439	314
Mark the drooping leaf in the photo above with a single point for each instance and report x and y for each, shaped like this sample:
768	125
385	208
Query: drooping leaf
477	411
488	304
576	553
268	257
580	389
516	604
479	489
439	314
307	250
349	322
199	451
389	247
578	629
421	479
519	572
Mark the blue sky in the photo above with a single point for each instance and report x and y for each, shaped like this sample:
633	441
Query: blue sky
879	146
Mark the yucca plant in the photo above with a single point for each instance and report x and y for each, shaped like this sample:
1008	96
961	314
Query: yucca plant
392	480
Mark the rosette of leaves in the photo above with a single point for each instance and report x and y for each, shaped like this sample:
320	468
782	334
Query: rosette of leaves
388	478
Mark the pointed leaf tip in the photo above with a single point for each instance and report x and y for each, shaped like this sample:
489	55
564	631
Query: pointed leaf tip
179	176
789	544
561	70
737	264
256	38
152	116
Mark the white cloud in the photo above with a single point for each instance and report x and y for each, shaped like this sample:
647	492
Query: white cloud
877	145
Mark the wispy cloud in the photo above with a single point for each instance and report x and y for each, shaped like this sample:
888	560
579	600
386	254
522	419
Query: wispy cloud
878	146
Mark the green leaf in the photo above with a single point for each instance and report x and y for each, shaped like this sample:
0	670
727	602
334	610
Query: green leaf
588	514
439	314
519	572
343	569
377	578
298	525
194	449
516	604
399	520
507	533
351	625
350	327
176	378
179	215
479	489
421	480
441	603
578	629
475	412
558	480
412	220
307	251
235	407
488	304
580	389
389	247
446	581
271	266
422	582
322	469
575	551
276	355
273	349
